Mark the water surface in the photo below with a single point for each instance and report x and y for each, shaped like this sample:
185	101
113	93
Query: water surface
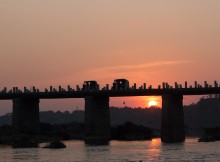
118	151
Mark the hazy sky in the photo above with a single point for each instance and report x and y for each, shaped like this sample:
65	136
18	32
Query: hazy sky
54	42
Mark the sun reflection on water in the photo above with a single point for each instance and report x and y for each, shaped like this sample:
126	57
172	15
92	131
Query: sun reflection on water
153	149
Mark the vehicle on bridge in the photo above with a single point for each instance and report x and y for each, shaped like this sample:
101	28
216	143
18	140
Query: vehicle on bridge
90	85
120	84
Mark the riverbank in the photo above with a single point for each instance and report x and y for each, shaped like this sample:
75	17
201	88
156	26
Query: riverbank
71	131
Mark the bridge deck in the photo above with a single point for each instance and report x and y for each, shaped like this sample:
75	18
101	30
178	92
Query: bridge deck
110	93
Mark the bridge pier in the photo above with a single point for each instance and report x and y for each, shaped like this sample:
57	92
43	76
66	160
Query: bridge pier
172	126
97	120
25	116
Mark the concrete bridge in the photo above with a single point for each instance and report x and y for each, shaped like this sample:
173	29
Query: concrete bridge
25	116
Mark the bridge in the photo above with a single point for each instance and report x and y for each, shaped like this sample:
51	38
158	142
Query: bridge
25	115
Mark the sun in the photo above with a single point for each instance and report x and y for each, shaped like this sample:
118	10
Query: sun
152	103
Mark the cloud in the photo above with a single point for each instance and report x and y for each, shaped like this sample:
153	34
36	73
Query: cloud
130	71
142	66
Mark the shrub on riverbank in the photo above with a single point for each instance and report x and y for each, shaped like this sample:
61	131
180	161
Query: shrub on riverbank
129	131
70	131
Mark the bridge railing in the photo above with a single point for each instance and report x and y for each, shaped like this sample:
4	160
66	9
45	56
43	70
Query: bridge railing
87	87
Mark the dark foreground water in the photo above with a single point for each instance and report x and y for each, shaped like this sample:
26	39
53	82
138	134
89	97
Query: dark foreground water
118	151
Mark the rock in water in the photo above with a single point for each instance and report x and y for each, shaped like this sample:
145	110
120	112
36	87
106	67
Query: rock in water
206	139
55	145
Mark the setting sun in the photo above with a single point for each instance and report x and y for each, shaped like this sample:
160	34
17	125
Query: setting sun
152	103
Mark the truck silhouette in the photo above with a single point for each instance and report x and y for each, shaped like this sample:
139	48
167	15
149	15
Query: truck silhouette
120	84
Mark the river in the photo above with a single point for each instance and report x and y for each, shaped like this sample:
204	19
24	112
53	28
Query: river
117	151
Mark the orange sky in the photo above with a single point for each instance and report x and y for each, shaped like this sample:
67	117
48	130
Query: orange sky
55	42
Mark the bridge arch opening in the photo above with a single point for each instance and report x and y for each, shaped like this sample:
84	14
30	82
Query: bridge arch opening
69	104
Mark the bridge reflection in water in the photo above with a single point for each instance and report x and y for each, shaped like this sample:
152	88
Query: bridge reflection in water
26	120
